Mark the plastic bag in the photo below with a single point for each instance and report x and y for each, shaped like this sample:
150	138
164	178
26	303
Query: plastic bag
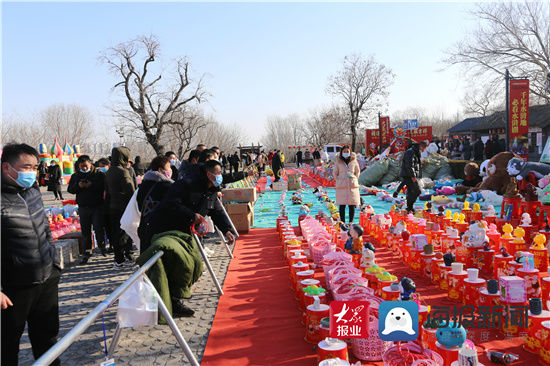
138	306
393	172
129	222
372	175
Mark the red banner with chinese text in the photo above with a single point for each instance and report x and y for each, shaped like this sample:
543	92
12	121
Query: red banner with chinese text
372	137
385	130
519	107
421	133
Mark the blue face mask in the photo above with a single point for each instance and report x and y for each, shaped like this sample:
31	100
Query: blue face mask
24	179
102	169
85	171
218	181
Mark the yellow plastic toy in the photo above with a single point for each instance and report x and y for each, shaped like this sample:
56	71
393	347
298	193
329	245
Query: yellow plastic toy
477	208
448	214
539	241
385	276
507	230
466	205
519	233
456	217
461	218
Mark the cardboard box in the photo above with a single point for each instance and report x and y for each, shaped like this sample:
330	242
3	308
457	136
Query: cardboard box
242	215
242	222
280	186
239	194
294	182
238	208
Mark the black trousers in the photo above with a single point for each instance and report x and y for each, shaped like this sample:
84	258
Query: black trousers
298	163
57	194
120	243
36	305
413	191
343	213
91	216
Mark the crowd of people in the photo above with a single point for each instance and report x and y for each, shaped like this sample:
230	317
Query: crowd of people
466	148
172	197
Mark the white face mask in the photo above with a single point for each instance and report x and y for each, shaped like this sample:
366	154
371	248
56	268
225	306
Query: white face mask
345	155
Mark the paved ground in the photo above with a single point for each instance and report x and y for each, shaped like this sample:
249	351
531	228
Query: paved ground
83	287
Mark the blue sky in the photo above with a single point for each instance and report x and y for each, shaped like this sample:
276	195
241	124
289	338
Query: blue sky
262	59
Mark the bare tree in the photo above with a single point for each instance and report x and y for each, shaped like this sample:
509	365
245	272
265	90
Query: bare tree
71	122
226	137
153	107
327	125
482	101
282	132
16	129
185	127
514	36
362	84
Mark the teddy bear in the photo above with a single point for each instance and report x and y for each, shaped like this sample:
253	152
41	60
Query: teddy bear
471	178
498	178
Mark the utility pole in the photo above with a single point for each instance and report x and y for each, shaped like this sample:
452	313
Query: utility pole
379	131
506	126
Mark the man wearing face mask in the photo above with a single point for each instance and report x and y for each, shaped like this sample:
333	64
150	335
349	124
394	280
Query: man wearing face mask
30	272
88	184
190	199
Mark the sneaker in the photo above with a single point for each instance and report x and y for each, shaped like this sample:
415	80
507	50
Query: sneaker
110	250
103	252
179	309
119	265
129	264
129	257
85	259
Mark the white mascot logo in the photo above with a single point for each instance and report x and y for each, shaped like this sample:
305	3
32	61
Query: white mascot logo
398	319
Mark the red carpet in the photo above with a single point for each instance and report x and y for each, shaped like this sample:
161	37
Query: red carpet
258	323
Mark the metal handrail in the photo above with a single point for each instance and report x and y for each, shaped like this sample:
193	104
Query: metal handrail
69	338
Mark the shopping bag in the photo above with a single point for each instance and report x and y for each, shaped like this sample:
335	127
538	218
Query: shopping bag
129	222
138	306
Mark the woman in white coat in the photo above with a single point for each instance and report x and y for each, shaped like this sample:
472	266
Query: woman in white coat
346	175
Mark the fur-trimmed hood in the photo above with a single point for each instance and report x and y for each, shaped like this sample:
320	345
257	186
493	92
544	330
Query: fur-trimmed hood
156	177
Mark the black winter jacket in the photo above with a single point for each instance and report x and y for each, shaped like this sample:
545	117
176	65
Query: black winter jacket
120	185
410	164
88	197
28	255
186	197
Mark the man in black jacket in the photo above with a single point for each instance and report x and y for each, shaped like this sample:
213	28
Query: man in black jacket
410	173
120	188
88	184
30	273
190	199
479	148
298	158
277	165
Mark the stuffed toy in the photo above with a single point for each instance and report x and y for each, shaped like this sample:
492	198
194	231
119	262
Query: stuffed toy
471	179
519	168
483	169
498	177
447	191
